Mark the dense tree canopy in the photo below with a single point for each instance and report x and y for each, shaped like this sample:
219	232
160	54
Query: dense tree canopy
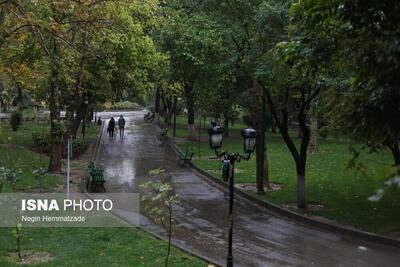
359	38
99	49
213	55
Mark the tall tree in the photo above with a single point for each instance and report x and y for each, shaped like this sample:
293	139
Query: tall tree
360	38
72	35
250	30
193	43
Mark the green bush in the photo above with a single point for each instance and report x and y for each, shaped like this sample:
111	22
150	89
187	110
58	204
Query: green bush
16	119
126	105
150	107
323	132
30	114
246	119
79	147
41	140
58	129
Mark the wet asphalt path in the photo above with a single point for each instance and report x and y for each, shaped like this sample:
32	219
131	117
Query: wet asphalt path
259	238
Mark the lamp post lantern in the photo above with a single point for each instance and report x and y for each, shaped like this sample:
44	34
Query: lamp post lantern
216	133
86	100
249	140
249	144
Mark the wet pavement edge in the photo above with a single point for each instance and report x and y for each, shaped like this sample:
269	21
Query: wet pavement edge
334	228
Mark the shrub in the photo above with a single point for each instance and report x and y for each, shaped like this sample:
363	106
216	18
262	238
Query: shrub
30	114
323	132
126	105
41	140
36	138
246	119
107	105
79	147
16	119
58	129
151	107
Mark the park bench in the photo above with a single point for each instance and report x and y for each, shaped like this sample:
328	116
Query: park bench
97	177
185	159
163	134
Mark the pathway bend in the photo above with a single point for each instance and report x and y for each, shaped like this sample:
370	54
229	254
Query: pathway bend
260	238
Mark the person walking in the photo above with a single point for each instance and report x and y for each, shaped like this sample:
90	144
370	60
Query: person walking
121	125
110	128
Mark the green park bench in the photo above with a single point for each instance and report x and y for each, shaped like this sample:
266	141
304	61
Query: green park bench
97	177
185	159
163	134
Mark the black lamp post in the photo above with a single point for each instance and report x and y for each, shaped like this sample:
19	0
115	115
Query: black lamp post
249	142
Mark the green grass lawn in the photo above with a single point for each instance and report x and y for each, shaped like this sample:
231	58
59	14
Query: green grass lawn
27	160
95	247
343	193
22	137
234	130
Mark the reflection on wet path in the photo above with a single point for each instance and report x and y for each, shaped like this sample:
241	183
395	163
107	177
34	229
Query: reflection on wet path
260	238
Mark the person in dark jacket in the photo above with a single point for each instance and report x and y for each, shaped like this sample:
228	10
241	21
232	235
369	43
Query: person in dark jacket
110	128
121	125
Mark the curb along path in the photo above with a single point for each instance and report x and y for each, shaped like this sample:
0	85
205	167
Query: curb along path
288	213
260	238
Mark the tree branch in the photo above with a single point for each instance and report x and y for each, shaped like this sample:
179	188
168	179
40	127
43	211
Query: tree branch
282	126
313	95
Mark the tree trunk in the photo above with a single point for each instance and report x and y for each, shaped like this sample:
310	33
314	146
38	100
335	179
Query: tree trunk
20	99
84	120
191	129
168	110
301	164
190	106
56	145
301	191
273	126
299	132
314	130
199	137
257	118
80	113
301	177
157	107
266	170
168	117
395	152
299	158
226	126
78	91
